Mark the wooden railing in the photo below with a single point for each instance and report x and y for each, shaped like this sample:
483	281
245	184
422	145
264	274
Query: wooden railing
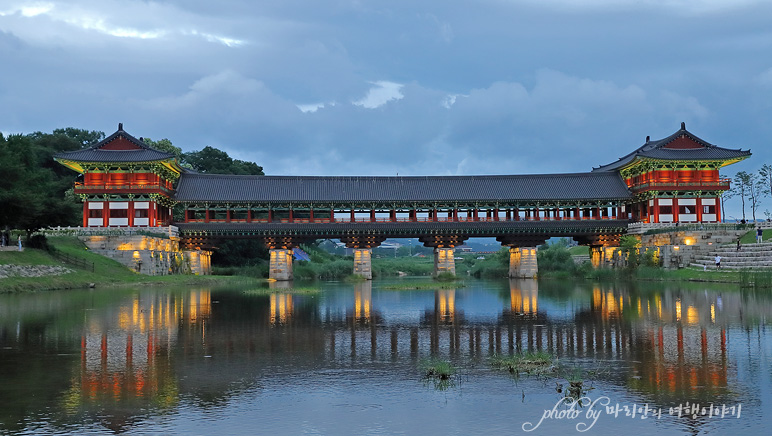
80	187
398	220
72	260
721	183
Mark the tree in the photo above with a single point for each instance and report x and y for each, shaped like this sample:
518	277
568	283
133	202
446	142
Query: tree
86	138
164	145
214	161
725	195
765	179
743	182
31	192
755	187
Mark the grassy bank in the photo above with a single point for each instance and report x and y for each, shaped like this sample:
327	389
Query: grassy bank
106	272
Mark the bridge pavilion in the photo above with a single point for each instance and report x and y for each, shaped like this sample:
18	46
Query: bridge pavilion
128	184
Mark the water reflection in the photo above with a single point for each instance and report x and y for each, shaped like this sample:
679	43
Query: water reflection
120	357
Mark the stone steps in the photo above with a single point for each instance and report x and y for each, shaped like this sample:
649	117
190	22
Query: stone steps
727	267
750	256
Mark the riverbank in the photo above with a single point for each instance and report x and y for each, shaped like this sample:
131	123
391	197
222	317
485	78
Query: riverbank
39	270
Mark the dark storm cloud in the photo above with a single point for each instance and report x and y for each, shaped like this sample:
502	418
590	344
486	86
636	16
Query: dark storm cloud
386	87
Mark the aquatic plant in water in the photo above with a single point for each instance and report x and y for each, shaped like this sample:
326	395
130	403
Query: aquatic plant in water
532	363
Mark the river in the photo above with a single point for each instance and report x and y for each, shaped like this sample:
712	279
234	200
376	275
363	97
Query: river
349	360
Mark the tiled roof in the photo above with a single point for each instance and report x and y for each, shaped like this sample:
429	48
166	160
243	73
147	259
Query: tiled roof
278	189
656	150
96	153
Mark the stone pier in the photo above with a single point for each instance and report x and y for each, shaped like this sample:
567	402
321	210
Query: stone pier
443	245
363	264
280	266
523	263
149	255
363	253
444	261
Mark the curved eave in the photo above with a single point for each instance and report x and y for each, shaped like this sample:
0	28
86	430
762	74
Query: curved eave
73	165
641	159
170	164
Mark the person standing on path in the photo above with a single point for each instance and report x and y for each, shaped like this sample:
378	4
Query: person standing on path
759	234
718	262
19	242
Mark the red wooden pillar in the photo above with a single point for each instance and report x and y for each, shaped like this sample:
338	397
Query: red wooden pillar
393	215
332	215
85	214
249	214
496	214
675	210
476	214
291	216
352	218
106	214
718	209
131	213
228	216
311	214
434	214
516	213
372	215
270	215
699	209
536	215
206	215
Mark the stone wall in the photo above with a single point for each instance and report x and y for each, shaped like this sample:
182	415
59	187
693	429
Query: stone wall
32	270
681	248
150	255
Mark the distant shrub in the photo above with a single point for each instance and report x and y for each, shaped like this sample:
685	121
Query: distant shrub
38	241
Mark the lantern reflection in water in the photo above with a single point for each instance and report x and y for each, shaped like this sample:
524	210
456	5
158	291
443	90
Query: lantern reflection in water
445	304
281	308
363	301
119	353
524	297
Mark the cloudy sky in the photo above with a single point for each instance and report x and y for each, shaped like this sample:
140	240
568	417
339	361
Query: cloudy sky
345	87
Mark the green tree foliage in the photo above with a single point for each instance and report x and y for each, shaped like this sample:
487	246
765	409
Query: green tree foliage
743	186
765	179
86	138
33	186
164	145
239	253
212	160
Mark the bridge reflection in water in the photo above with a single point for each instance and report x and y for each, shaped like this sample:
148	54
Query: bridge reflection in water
151	350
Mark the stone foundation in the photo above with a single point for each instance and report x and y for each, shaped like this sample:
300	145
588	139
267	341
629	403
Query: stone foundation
150	255
444	261
363	264
523	263
280	264
678	249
